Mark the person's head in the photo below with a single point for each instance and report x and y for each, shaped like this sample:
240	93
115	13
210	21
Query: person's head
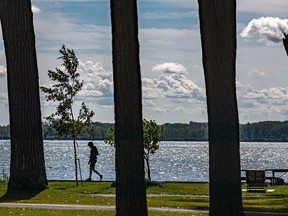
90	144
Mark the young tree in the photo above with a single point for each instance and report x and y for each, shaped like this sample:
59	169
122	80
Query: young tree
152	134
64	90
130	176
27	165
218	36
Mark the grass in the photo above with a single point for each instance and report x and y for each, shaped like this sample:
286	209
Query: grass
196	197
41	212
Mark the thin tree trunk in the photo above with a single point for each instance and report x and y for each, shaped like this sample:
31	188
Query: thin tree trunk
285	43
27	166
75	160
148	169
218	34
130	175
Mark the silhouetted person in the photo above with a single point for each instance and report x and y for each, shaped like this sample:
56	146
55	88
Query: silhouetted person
92	161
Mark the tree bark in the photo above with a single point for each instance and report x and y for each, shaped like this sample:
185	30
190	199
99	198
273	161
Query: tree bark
130	175
218	35
27	166
148	168
285	43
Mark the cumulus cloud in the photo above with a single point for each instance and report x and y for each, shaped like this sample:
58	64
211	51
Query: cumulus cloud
97	82
253	103
173	83
35	9
170	68
251	98
2	71
267	29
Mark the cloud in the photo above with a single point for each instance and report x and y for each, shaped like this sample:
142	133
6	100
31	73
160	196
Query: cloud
256	73
170	68
168	15
250	97
35	9
172	83
3	71
97	82
266	7
64	29
268	29
262	104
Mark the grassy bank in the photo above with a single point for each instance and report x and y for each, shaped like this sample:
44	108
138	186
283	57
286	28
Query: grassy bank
185	195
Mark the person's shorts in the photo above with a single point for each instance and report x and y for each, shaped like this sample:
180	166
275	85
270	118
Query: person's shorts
92	164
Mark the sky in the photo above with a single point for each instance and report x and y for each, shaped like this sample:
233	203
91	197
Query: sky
171	58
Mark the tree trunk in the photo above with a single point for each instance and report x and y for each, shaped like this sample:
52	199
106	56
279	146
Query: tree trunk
285	43
218	35
130	175
148	168
27	166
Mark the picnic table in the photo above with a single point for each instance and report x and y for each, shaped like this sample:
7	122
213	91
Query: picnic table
274	171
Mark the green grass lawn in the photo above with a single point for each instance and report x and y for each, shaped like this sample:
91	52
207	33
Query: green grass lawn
196	197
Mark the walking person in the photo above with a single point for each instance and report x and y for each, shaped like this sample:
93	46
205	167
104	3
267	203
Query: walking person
92	161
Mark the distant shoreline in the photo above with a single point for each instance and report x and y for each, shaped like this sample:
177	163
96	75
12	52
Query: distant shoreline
266	131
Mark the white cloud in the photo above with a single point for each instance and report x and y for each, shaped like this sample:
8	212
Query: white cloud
172	83
256	73
170	68
57	28
262	104
268	29
2	71
35	9
97	82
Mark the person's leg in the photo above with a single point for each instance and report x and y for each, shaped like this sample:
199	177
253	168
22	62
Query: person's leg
101	176
91	168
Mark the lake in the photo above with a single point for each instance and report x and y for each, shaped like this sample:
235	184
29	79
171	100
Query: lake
174	161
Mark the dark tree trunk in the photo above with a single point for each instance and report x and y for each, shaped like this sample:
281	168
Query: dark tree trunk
218	35
285	43
27	166
130	175
148	168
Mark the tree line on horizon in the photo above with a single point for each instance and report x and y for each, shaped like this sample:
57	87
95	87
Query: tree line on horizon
264	131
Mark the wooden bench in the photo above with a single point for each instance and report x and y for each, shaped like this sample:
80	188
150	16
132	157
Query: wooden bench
255	180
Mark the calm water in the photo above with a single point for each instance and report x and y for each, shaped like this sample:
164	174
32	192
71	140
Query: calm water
177	161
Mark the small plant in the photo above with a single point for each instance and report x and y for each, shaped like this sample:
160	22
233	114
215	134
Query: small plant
4	176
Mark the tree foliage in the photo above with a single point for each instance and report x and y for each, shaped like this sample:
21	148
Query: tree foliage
152	135
66	85
64	90
266	131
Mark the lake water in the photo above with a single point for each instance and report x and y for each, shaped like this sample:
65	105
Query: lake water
174	161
